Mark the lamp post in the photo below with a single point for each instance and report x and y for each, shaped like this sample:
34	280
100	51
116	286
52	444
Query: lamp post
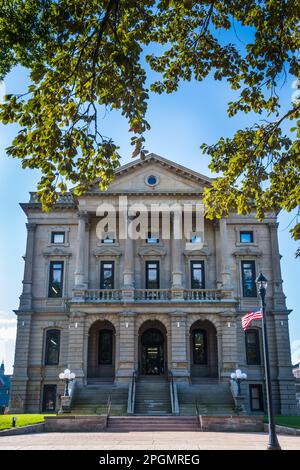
238	376
67	376
261	283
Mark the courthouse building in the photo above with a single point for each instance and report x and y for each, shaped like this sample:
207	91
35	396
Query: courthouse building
157	307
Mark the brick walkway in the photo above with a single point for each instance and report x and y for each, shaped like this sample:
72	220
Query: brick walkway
145	441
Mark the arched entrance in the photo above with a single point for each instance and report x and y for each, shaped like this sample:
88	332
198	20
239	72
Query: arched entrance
203	349
101	350
152	349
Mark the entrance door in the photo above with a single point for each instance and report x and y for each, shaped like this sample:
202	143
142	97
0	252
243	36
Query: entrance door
152	352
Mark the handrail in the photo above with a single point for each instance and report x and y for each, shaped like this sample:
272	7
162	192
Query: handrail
108	409
131	394
199	417
173	393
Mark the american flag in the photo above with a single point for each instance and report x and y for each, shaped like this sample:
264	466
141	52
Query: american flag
246	319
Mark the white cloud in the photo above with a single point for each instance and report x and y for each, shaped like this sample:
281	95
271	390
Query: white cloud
8	329
295	349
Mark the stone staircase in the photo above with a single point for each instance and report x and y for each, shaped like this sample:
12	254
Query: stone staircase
92	399
213	398
152	396
152	423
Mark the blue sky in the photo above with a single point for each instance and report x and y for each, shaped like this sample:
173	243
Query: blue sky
179	124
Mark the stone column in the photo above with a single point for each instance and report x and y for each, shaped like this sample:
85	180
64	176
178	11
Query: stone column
126	364
79	271
26	296
76	349
225	265
176	252
176	255
128	271
179	358
18	398
87	253
217	254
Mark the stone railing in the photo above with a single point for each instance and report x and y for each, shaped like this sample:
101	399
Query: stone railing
148	295
102	295
152	294
202	294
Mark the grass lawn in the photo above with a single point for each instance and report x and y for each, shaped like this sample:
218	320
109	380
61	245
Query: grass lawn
22	420
289	421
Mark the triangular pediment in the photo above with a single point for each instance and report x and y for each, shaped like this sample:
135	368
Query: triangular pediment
152	251
170	177
107	251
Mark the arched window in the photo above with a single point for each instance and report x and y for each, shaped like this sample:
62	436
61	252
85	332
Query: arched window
52	347
252	347
199	347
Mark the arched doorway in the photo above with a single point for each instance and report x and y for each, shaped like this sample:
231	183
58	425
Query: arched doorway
101	350
203	349
152	349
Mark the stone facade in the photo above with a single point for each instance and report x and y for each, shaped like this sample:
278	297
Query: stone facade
128	310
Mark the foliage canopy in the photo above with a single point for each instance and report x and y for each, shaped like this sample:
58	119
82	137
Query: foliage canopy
86	53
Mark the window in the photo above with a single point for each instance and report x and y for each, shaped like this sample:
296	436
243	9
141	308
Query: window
58	237
49	398
152	180
52	347
108	239
195	239
56	278
152	275
248	278
197	275
105	347
256	397
252	347
152	238
246	237
107	275
199	347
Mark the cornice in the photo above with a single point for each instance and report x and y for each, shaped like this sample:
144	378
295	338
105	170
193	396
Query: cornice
249	251
204	251
57	252
107	251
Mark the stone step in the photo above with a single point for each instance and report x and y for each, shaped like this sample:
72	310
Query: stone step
92	399
157	423
152	396
206	394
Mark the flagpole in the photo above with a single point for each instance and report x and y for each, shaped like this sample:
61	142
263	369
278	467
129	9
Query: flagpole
273	444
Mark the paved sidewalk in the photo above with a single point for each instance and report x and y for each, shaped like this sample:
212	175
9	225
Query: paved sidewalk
145	441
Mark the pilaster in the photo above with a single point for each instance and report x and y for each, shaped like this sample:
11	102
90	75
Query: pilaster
179	355
126	365
19	381
26	296
278	295
76	347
